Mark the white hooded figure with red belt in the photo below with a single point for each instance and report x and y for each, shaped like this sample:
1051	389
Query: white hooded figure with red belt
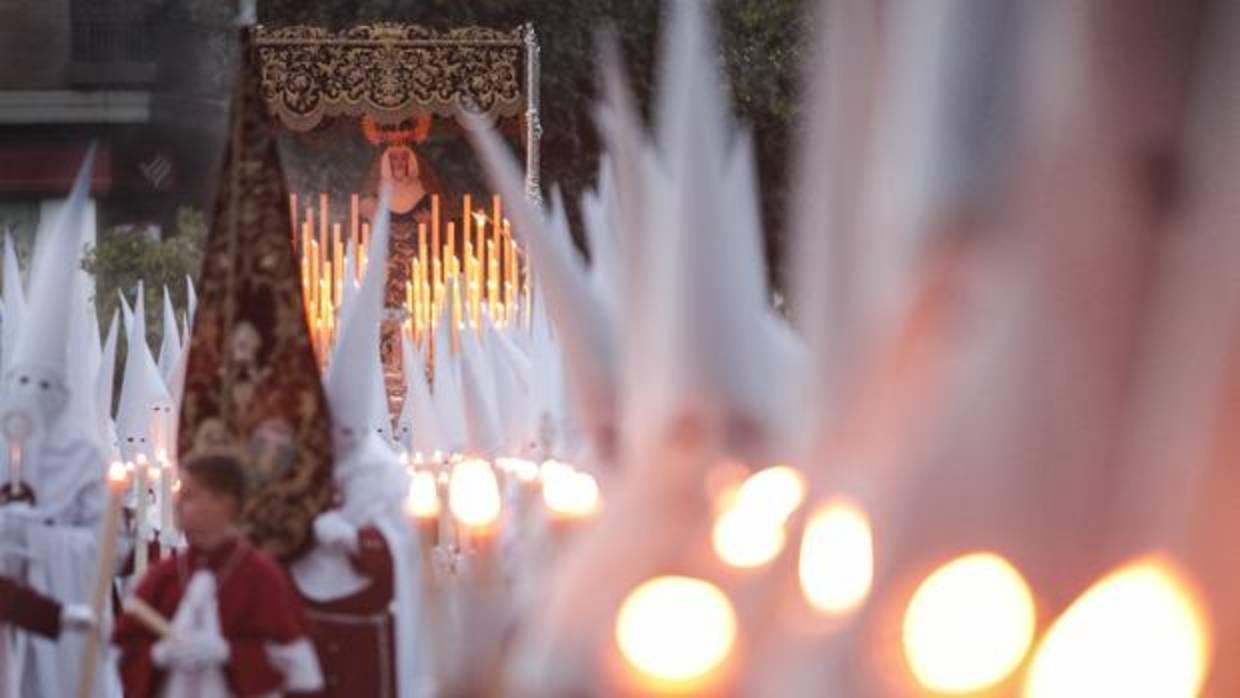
361	582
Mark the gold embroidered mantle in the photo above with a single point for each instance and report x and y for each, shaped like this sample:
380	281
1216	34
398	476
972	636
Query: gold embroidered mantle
252	384
390	72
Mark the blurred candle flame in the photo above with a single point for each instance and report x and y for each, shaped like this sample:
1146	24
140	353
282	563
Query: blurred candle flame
525	471
837	558
745	538
749	530
473	494
676	633
570	494
1140	631
779	490
423	502
969	624
118	475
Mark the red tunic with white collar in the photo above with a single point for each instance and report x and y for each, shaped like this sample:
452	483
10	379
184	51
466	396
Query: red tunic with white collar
257	608
353	635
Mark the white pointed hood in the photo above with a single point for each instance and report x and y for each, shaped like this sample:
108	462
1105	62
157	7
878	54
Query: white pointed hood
513	381
191	308
547	427
170	345
600	215
44	338
704	355
580	319
482	419
354	382
145	410
14	300
126	312
348	285
85	358
418	426
104	382
446	391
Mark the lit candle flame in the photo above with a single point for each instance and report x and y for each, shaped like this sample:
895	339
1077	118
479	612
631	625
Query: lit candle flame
749	531
550	469
1141	631
423	500
525	471
969	624
778	490
473	494
118	475
837	558
747	539
676	633
723	481
570	494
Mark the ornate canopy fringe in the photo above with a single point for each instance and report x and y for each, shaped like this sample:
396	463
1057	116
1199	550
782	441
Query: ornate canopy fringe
390	72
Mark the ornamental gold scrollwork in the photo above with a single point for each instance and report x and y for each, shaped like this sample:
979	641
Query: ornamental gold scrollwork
390	72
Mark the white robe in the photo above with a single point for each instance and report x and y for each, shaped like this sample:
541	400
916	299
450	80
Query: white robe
66	471
375	497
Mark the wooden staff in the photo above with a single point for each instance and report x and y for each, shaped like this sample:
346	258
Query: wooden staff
141	554
105	564
145	614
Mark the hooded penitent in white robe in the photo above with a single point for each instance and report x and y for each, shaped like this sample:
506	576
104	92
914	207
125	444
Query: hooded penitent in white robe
60	461
372	483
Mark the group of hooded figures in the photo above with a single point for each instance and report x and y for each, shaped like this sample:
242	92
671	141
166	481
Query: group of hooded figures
663	357
357	583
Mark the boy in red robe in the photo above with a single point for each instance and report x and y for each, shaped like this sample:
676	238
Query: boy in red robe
263	649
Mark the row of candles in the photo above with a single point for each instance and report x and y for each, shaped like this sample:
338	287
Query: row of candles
461	503
454	501
152	487
488	268
968	627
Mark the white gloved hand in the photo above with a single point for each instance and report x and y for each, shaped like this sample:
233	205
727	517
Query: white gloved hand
332	531
192	652
77	617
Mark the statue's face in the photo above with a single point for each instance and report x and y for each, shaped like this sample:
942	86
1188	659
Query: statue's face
400	165
403	164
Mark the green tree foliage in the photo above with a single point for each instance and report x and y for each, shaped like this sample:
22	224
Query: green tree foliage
120	260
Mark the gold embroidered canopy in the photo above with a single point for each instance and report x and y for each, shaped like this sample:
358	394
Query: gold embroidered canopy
390	72
393	72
